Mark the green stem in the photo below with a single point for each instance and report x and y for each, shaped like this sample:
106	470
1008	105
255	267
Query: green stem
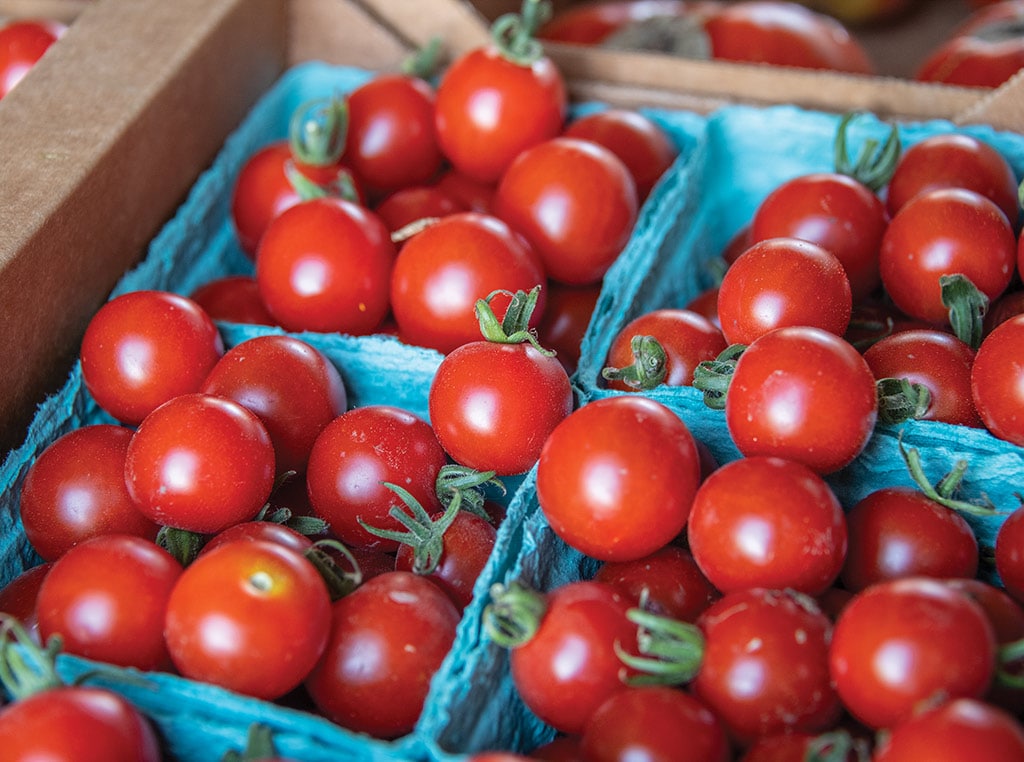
514	33
514	614
181	543
426	62
671	651
649	367
899	399
514	328
339	582
967	307
714	376
317	131
25	667
470	485
874	167
259	745
912	458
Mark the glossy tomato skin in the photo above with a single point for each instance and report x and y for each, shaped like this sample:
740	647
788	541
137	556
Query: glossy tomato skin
1009	554
142	348
387	640
75	490
445	269
77	724
18	597
234	299
567	314
945	231
781	282
765	668
249	531
114	618
413	204
353	457
22	43
617	477
292	387
217	615
902	642
654	723
900	532
498	421
590	23
200	463
472	195
767	522
391	141
574	201
834	211
325	265
996	381
489	109
979	54
804	394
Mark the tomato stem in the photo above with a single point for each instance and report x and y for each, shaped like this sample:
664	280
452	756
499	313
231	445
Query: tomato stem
900	399
967	307
259	745
514	328
513	615
425	62
514	33
26	668
317	131
342	186
469	483
714	376
649	368
948	485
835	746
671	651
339	582
874	167
182	544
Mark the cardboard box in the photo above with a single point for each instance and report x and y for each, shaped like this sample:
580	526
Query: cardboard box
111	128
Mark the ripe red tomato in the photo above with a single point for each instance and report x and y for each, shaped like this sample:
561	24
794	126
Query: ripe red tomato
233	298
77	724
567	314
765	668
142	348
996	380
1009	554
325	265
767	522
783	282
18	598
834	211
415	204
391	142
387	640
899	643
574	201
292	387
984	51
472	195
592	22
116	618
960	729
217	616
22	43
446	268
200	463
617	477
803	394
75	490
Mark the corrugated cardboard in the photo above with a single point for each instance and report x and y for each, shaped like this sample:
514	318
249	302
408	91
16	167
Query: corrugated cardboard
104	137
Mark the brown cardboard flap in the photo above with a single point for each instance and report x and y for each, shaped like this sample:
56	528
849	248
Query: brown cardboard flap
1003	108
457	23
343	33
59	10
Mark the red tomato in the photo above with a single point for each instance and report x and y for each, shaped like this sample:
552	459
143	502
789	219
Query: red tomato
574	201
18	598
985	51
233	298
116	618
200	463
685	337
472	195
415	204
217	616
250	531
75	490
1009	304
654	722
325	265
592	22
834	211
935	359
292	387
391	142
706	304
803	394
617	477
1009	554
387	640
899	643
22	43
142	348
445	269
77	724
353	458
767	522
642	145
996	380
567	314
783	282
765	668
960	729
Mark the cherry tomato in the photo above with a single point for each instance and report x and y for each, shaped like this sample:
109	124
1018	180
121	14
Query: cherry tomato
325	265
250	531
200	463
783	282
446	268
472	195
592	22
218	612
567	314
865	12
834	211
292	387
1009	554
617	477
574	201
985	51
641	144
22	44
75	490
415	204
767	522
142	348
387	640
654	722
996	380
18	597
1006	306
902	642
116	618
765	668
804	394
960	729
233	298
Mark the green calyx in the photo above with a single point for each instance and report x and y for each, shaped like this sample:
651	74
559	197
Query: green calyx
942	492
649	368
514	328
340	581
874	165
514	614
899	399
967	307
670	651
714	376
26	668
455	481
182	544
514	33
836	746
259	745
342	185
426	62
317	131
